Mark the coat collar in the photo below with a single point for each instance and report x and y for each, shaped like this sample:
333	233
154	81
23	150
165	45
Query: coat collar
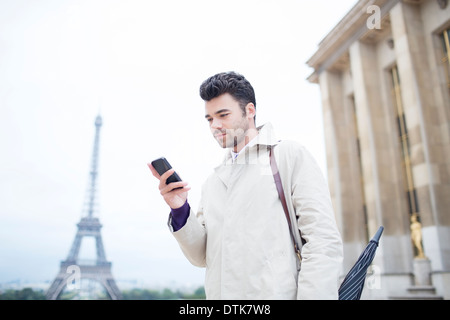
266	137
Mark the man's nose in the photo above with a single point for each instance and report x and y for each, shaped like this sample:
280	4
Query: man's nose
216	124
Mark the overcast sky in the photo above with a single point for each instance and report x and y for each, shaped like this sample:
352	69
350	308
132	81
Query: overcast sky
139	64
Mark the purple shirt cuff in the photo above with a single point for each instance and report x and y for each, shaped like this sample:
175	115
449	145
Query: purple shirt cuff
180	216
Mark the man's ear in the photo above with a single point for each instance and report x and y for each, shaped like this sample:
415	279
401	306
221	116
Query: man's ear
250	110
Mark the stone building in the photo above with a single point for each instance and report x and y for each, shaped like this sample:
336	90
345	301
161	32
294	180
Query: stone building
384	77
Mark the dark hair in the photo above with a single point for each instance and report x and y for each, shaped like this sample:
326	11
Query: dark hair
229	82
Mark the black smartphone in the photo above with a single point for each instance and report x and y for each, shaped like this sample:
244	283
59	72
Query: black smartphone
161	165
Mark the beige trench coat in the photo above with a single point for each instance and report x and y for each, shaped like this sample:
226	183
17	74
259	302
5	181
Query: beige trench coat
240	232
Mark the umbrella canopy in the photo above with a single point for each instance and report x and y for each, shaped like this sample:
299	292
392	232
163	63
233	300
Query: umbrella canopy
353	284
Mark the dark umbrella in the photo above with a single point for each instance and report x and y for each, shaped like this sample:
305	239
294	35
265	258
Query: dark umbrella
353	284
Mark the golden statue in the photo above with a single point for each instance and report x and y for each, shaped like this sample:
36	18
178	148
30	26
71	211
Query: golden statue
416	236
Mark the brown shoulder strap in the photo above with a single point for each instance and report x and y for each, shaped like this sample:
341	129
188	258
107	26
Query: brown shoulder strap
277	178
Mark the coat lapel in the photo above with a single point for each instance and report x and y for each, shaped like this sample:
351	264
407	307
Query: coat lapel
224	170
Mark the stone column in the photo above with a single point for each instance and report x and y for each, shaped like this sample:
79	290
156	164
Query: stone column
343	165
428	139
381	165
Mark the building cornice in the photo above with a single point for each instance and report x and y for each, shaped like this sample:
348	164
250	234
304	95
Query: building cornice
352	27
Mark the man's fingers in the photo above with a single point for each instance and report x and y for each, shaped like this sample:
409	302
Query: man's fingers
172	186
179	191
164	177
167	174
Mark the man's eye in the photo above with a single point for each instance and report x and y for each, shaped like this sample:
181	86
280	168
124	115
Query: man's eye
224	115
209	119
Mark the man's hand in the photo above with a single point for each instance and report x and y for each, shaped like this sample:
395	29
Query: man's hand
174	197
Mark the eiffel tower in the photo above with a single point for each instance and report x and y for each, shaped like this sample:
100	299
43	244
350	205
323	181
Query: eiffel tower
73	269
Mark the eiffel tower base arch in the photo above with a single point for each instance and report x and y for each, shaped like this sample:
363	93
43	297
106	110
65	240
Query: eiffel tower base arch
99	272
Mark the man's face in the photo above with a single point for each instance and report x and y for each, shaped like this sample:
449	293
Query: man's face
227	122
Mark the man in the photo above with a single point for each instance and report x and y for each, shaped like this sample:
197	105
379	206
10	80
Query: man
240	232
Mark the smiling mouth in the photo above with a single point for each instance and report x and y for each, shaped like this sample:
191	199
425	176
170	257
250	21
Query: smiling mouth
220	135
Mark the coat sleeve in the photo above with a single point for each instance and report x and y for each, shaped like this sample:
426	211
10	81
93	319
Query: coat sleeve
192	237
322	253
